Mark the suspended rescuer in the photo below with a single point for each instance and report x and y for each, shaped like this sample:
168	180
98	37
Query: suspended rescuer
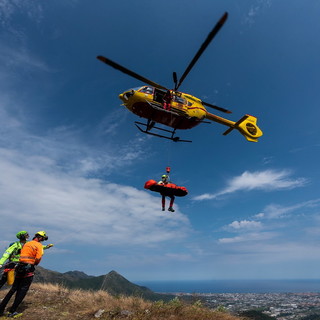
165	180
30	256
12	254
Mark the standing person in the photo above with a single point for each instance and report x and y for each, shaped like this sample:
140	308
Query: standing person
167	100
12	254
164	181
30	256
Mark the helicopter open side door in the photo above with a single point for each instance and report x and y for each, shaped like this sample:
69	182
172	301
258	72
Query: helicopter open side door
158	95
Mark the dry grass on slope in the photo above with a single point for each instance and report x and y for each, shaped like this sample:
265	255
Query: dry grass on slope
53	302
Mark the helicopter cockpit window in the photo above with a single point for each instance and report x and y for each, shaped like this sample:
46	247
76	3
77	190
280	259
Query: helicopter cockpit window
179	100
147	90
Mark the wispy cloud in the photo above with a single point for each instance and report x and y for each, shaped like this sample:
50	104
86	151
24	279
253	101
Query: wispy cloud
79	207
255	9
8	8
268	180
56	179
249	237
20	57
53	181
67	203
267	253
274	211
261	227
245	225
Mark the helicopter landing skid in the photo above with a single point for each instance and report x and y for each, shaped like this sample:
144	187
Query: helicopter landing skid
151	125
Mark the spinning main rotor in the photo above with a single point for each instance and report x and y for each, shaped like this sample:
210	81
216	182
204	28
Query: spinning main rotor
177	83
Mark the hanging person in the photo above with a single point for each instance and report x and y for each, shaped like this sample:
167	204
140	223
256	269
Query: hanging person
164	181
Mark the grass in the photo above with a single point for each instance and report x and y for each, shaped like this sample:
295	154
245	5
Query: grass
54	302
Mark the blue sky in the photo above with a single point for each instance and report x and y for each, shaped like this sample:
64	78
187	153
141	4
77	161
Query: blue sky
72	162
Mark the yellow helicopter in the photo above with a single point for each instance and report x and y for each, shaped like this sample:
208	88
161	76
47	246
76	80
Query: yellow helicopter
176	109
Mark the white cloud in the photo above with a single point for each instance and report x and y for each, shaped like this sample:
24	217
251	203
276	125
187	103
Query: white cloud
52	182
31	9
268	180
78	208
245	225
238	251
248	229
21	58
255	9
274	211
62	148
248	237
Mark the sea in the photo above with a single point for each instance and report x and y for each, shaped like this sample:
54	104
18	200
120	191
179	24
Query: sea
233	286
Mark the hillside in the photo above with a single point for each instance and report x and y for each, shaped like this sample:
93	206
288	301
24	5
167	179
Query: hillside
112	282
53	302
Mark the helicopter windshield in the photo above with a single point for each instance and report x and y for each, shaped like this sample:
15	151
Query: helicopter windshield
146	89
179	99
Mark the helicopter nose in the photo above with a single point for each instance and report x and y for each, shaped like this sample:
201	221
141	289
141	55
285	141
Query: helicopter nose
126	95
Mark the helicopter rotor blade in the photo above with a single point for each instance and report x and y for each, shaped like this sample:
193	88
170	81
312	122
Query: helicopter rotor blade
175	79
210	36
129	72
216	107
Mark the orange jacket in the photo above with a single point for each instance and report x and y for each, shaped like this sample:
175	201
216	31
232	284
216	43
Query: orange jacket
31	252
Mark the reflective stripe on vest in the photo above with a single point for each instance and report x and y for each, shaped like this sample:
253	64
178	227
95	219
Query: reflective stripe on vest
26	259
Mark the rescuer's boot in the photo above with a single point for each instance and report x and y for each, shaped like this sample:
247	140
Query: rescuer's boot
14	315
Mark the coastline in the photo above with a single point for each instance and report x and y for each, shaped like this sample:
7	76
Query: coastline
233	286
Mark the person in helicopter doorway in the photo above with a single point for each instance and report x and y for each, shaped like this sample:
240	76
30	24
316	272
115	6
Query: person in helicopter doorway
167	100
164	181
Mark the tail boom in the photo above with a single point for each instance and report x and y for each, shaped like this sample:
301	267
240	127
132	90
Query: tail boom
247	126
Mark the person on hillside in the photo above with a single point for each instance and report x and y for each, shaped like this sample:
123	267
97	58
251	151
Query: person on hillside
164	181
12	255
31	254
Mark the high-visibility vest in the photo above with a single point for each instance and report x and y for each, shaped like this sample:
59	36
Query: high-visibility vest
31	252
12	253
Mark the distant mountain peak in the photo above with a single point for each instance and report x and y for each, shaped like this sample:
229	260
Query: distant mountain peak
77	274
112	272
113	282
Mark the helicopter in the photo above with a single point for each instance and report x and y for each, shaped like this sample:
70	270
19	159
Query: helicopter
175	109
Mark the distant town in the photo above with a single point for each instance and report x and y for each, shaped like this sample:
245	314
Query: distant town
281	306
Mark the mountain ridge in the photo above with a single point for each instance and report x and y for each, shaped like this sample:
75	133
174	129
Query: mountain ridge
112	282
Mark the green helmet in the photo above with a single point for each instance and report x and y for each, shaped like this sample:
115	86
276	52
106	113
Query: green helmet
164	176
42	234
22	235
